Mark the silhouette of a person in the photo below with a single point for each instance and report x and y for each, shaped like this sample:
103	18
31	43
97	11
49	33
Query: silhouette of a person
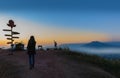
55	44
31	51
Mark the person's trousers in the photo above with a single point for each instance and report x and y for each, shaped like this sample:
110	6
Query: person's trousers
31	60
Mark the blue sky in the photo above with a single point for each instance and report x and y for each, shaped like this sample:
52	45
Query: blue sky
61	4
100	17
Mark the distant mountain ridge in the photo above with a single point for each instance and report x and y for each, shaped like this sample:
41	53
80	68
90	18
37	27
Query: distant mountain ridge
114	43
96	44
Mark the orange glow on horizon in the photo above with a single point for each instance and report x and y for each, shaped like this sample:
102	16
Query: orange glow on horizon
61	39
46	34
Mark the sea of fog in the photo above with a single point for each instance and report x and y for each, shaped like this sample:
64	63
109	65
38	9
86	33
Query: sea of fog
109	53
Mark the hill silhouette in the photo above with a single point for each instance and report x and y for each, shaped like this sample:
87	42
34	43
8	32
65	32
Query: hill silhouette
94	44
97	44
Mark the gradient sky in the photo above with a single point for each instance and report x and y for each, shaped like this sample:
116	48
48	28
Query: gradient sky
66	21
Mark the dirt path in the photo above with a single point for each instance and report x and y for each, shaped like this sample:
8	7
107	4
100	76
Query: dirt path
49	65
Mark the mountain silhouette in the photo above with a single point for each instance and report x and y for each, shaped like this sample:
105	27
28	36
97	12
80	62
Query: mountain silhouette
94	44
97	44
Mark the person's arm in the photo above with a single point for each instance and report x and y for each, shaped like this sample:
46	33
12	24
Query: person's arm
28	46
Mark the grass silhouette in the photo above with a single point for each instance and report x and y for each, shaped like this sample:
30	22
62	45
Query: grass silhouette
111	66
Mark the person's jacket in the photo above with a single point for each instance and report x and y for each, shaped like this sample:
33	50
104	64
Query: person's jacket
31	47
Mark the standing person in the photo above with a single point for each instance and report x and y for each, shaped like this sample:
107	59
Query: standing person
55	44
31	51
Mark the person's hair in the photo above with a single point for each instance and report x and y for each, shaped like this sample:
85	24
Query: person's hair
32	38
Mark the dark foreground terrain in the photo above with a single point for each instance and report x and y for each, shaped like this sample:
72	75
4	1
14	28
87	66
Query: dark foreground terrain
49	64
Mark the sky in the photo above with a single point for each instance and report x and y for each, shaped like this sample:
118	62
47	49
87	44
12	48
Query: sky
66	21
